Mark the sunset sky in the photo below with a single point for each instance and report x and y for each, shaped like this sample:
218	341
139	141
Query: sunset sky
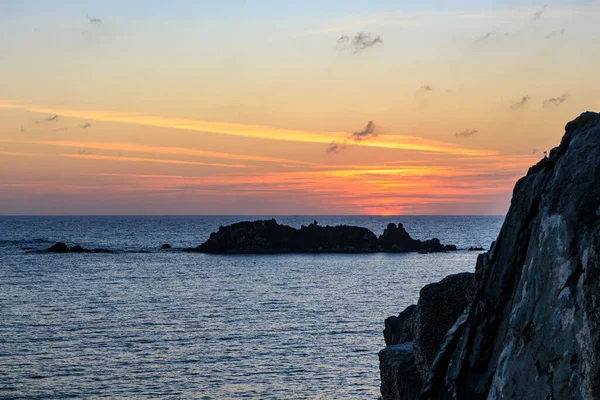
280	107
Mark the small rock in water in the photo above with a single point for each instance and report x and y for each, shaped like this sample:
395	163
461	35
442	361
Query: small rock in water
59	247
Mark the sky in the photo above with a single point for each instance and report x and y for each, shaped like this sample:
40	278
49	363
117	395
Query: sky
280	107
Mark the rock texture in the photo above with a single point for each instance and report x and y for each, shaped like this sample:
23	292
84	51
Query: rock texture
270	237
399	376
399	329
413	338
532	331
440	304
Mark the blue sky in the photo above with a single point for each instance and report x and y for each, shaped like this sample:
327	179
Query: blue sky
264	8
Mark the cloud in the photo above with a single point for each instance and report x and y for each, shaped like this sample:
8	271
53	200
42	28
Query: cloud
369	131
521	103
91	156
396	141
59	129
94	20
23	129
484	37
426	88
359	42
466	133
540	13
86	125
334	147
52	118
555	101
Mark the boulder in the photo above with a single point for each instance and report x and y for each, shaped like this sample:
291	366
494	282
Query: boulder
439	306
78	249
399	376
531	331
166	246
399	329
59	247
413	338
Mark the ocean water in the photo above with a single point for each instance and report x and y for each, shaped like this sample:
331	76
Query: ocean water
169	324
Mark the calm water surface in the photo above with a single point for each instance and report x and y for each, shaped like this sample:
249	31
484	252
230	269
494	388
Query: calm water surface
168	324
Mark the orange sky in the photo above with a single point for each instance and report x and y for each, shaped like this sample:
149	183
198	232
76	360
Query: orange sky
145	116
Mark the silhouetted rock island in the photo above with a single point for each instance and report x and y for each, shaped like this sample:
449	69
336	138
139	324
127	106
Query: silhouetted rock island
269	237
525	325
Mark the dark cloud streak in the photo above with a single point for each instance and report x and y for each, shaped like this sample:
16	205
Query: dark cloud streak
359	42
466	133
555	101
369	131
521	103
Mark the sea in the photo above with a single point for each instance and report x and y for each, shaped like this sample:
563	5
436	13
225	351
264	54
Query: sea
145	323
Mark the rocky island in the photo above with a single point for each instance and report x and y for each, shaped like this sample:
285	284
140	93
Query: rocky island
269	237
525	325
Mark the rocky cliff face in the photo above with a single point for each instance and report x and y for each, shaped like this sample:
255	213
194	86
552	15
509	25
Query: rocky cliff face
532	330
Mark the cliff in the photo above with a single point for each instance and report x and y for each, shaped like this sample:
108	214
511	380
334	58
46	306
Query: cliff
531	331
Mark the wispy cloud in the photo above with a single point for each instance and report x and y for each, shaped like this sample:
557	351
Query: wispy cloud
484	37
334	147
53	118
139	148
86	125
466	133
94	20
555	101
359	42
521	103
400	142
426	88
540	13
149	160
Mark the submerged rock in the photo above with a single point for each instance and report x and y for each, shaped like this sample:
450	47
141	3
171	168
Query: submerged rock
268	236
475	248
61	247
